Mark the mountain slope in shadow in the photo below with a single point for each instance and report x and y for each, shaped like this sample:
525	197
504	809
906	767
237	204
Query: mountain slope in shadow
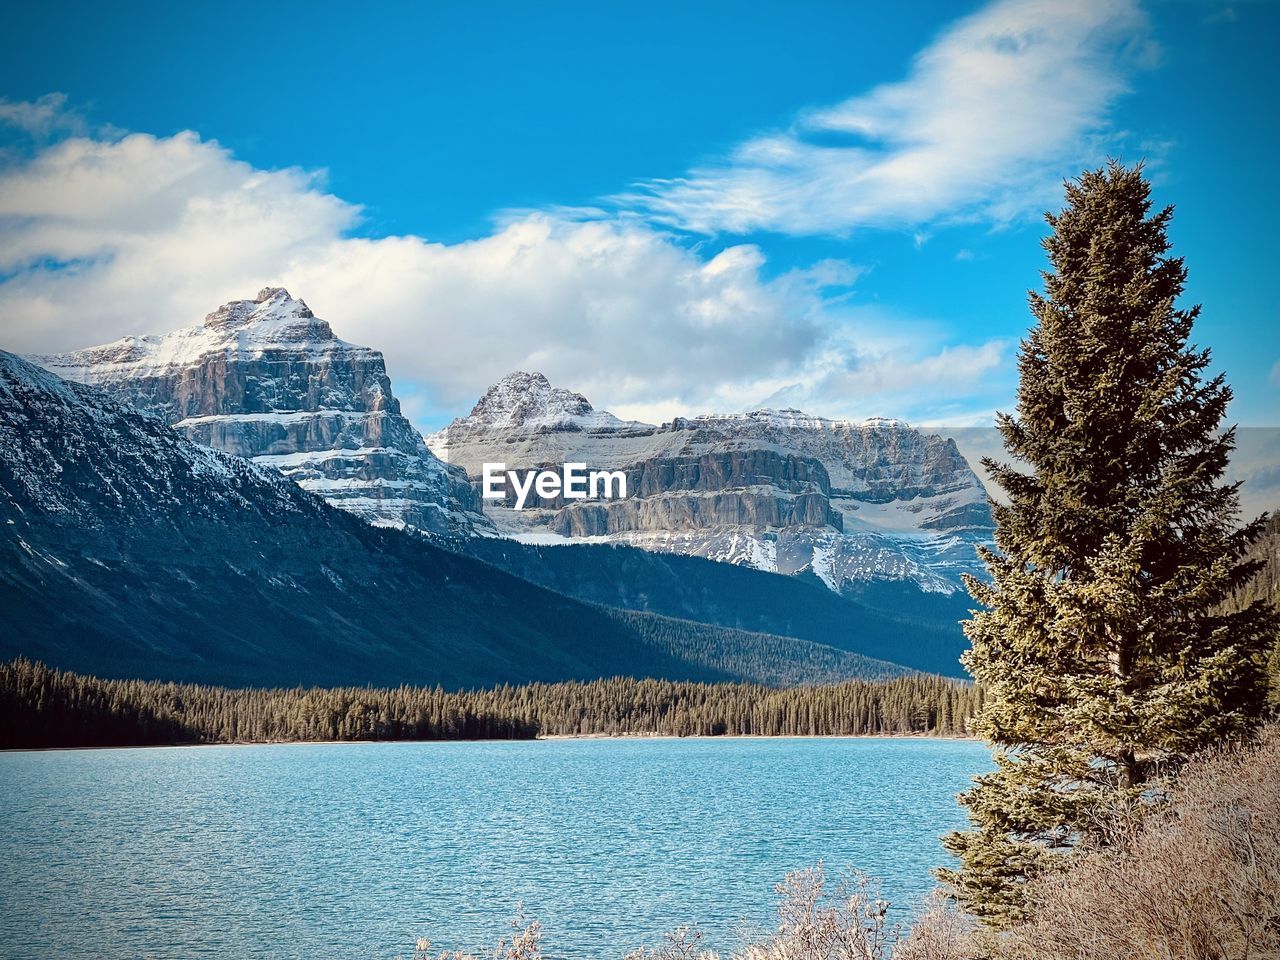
129	552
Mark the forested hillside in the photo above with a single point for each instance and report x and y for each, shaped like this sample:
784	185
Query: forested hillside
725	653
883	619
42	707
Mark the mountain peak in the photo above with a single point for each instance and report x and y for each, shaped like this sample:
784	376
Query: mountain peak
272	293
272	309
522	398
522	380
267	380
885	423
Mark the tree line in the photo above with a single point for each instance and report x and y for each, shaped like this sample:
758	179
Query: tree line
44	707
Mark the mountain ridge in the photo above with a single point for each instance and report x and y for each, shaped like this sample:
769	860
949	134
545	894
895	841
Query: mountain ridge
888	620
777	490
131	551
268	380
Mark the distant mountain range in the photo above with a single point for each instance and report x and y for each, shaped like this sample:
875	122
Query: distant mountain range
872	522
128	550
776	490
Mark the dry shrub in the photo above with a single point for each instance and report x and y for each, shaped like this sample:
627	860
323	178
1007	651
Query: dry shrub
848	922
680	944
817	920
1196	880
940	932
523	943
844	920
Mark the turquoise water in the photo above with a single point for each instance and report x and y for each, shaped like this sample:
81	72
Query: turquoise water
355	850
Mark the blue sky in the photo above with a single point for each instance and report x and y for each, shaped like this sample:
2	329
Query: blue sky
832	206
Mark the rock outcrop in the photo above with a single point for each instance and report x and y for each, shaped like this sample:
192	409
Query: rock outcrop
266	379
778	490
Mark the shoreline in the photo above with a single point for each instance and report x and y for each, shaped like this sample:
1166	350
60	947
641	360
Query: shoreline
552	737
750	736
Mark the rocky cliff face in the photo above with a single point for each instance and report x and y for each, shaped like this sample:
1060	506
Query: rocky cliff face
128	551
266	379
777	490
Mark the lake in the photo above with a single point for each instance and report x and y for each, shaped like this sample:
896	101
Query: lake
331	851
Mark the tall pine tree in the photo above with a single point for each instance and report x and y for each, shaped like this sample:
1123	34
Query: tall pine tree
1103	644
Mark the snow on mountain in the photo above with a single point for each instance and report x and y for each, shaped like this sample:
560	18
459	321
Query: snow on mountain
63	444
529	401
778	490
129	551
268	380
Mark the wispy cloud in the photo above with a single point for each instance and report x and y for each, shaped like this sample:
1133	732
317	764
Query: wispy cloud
992	116
42	118
878	364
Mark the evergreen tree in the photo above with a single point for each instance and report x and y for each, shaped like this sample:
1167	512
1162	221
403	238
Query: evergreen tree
1103	645
42	707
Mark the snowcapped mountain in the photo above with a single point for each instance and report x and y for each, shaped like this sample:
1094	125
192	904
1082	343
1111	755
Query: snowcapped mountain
778	490
126	550
528	401
266	379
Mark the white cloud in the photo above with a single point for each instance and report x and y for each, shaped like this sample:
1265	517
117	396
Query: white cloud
102	237
862	371
144	234
991	118
612	309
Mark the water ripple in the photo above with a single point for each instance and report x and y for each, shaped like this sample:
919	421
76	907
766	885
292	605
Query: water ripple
352	851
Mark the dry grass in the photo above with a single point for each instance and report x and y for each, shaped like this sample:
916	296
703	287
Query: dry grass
1198	880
